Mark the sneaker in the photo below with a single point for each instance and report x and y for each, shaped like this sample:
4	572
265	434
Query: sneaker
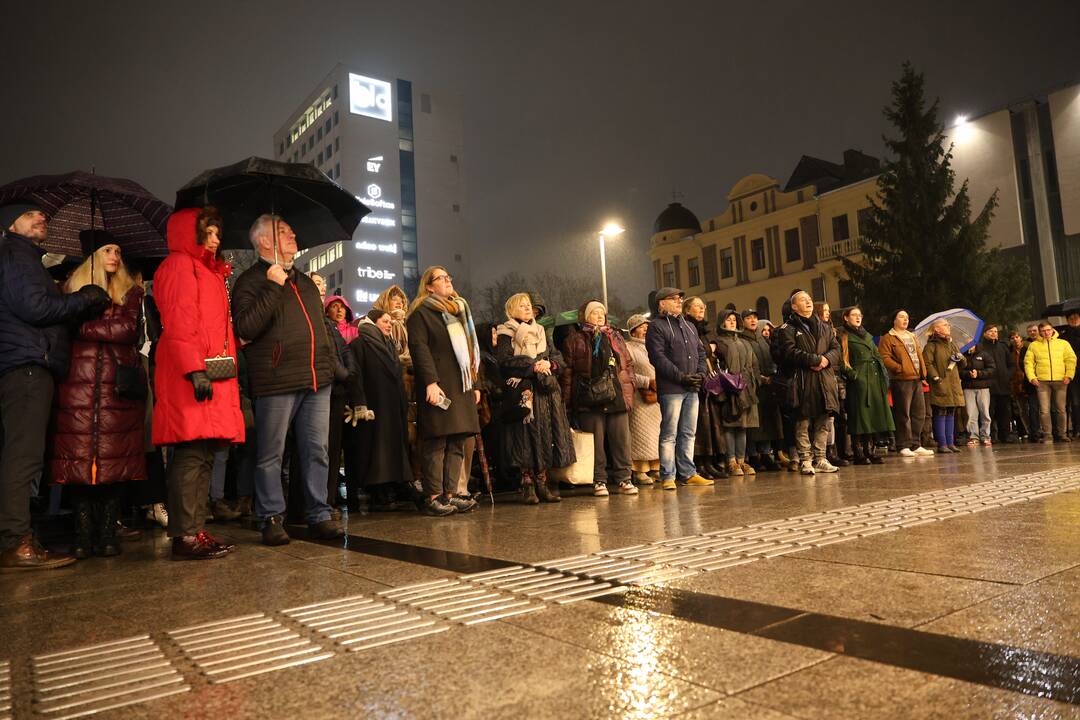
463	504
733	468
599	490
273	532
157	513
669	484
698	481
988	442
924	452
329	529
748	469
807	468
626	488
822	465
972	442
642	478
437	507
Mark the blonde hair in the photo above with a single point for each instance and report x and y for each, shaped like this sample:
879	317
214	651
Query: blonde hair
92	271
383	301
512	302
423	293
690	301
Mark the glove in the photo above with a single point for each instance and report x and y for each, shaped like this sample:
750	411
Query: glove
97	300
691	381
204	388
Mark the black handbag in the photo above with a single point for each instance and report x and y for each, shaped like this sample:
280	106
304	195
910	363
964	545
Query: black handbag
594	392
131	381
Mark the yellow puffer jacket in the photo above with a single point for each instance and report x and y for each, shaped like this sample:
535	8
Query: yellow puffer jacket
1050	359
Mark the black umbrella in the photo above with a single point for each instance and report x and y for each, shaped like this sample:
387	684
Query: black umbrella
318	209
77	201
1062	308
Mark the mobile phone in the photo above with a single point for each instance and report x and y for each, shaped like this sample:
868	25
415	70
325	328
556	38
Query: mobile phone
444	402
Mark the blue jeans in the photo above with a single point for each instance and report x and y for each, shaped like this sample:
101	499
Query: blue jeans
678	426
308	414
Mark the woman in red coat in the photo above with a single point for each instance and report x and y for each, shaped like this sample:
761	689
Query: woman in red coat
97	439
194	414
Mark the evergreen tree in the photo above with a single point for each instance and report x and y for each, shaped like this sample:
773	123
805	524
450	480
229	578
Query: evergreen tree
921	248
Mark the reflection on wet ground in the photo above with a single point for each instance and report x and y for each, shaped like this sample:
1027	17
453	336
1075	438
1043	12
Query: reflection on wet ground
971	617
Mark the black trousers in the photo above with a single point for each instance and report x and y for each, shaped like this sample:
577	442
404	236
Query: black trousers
26	395
1000	417
442	457
188	481
337	429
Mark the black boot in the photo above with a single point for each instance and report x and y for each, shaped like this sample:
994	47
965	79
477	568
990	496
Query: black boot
872	453
108	515
84	530
769	464
540	484
528	492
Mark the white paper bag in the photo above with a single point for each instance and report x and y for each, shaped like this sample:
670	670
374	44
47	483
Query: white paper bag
581	472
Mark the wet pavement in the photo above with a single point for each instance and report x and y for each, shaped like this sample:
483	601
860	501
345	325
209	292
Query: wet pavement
972	615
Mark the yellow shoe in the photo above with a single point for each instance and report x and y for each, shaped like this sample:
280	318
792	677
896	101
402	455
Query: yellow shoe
698	480
733	468
669	485
747	468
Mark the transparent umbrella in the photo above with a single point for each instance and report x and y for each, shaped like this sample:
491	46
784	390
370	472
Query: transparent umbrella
967	327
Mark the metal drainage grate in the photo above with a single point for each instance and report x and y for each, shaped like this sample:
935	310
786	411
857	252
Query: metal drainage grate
96	678
5	690
240	647
460	602
359	622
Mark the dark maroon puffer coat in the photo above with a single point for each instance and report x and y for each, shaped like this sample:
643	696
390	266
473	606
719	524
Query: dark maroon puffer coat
92	425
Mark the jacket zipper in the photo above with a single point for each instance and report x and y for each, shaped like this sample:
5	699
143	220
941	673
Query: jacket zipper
311	335
1050	360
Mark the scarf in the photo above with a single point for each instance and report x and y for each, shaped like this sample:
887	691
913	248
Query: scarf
459	325
398	334
861	332
528	339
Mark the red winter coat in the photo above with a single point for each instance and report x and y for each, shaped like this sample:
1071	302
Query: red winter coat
97	435
189	289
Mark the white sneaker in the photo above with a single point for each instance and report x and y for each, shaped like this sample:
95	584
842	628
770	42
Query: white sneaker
599	490
822	465
158	514
908	452
923	452
627	488
806	468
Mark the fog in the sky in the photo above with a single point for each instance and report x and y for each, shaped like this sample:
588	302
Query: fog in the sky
575	112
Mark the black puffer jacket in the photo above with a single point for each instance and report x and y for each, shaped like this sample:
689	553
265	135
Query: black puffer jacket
1002	357
798	346
289	347
34	314
982	362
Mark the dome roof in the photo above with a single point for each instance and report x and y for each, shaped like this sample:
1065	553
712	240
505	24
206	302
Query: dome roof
676	217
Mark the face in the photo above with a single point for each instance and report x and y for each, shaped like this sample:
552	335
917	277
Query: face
336	312
639	331
1033	332
854	317
319	283
396	302
1015	340
213	239
901	321
731	322
441	285
1073	319
110	258
286	239
943	330
1046	331
523	309
991	334
803	305
596	317
766	332
750	322
32	224
672	305
696	309
826	313
384	324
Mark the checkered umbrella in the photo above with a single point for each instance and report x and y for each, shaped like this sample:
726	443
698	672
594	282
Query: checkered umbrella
78	201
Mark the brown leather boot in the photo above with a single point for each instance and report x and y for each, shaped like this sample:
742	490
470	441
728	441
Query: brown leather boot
30	555
543	491
528	490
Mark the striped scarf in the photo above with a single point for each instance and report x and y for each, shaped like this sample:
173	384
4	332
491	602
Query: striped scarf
459	325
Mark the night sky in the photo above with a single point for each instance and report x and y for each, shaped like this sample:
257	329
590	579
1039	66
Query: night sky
574	111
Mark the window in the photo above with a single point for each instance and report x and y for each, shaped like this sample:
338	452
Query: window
762	308
817	289
840	228
757	254
329	151
337	170
335	92
847	294
862	218
337	145
335	118
320	159
792	250
693	272
318	134
281	148
327	126
753	206
669	274
727	263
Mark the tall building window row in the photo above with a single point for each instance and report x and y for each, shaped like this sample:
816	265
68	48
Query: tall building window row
310	116
693	272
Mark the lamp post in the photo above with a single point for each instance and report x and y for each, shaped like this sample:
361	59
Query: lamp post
609	230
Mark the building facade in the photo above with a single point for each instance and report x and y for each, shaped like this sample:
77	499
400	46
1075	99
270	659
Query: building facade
398	147
770	240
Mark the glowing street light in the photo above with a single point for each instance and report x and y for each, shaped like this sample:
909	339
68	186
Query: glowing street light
612	230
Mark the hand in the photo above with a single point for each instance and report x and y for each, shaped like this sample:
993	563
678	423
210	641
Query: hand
351	417
542	366
204	389
97	300
974	373
476	393
276	274
433	393
824	363
1035	382
691	381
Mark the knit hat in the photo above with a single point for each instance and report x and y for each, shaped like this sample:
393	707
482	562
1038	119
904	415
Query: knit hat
93	240
10	213
635	321
590	306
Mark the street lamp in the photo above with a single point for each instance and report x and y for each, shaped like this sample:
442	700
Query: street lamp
611	230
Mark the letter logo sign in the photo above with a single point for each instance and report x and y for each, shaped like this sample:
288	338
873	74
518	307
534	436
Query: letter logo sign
370	97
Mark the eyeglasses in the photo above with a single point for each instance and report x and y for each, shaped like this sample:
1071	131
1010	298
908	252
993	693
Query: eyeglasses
440	278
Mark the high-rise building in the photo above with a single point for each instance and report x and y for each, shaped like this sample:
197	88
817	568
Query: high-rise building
398	147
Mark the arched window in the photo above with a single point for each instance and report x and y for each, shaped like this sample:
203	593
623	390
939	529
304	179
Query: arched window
762	307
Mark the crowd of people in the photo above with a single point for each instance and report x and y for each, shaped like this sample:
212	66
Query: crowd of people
172	395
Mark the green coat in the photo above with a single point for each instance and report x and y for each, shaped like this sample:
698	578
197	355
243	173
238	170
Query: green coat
867	387
945	388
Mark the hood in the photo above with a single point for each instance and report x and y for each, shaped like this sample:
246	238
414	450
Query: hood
343	301
383	301
180	236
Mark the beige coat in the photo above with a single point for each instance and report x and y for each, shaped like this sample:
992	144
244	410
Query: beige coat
644	417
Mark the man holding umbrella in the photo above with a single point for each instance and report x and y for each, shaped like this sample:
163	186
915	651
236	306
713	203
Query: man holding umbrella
290	361
33	344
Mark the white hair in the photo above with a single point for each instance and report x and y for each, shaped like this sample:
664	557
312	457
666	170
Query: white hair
262	226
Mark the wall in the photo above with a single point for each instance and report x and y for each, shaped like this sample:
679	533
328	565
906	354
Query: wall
1065	120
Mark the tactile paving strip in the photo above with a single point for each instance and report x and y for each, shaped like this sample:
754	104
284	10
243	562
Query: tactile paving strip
227	650
96	678
359	622
461	602
5	690
544	584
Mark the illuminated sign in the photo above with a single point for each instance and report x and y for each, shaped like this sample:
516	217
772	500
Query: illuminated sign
369	97
373	274
374	191
374	163
377	203
381	247
380	221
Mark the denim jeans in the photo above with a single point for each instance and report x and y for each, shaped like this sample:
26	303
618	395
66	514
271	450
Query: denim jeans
736	442
308	413
978	412
678	426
